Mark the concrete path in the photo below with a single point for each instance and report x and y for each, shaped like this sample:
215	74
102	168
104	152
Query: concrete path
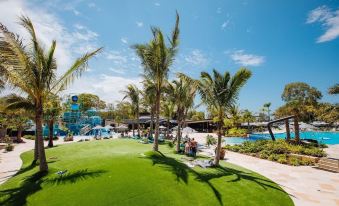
307	186
10	162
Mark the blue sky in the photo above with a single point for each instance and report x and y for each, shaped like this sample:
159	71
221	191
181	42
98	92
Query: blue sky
279	41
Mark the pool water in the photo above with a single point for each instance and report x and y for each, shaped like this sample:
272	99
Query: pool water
321	137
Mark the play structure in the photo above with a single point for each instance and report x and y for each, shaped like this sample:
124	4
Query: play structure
74	120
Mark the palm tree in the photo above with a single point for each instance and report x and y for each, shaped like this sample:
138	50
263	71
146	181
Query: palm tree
157	57
248	117
220	92
52	110
133	94
32	69
168	107
148	101
183	95
266	108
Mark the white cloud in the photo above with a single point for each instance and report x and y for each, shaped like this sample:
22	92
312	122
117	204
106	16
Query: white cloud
157	4
139	24
116	56
107	87
219	11
329	20
124	40
196	57
118	70
225	24
241	58
48	27
91	5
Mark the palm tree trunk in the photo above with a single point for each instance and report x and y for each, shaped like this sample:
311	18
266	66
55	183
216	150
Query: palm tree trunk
217	155
168	128
19	135
36	148
138	122
157	119
50	132
152	121
133	128
178	131
41	149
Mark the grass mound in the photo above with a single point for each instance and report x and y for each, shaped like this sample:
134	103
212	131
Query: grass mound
124	172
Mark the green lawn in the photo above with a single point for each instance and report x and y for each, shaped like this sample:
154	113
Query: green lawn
123	172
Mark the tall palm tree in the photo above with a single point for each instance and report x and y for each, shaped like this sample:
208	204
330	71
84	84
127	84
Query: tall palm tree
220	92
157	57
184	94
266	108
133	94
32	69
148	101
52	110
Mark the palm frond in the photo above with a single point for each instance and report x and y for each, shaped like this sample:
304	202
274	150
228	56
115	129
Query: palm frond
79	66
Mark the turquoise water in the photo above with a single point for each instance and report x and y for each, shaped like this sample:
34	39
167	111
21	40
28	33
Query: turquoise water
321	137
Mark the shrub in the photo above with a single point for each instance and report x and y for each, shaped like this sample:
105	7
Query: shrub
315	152
294	161
273	157
264	154
170	144
210	140
9	147
31	137
282	159
46	138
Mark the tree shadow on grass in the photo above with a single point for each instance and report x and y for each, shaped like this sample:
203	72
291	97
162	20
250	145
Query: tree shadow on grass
32	184
18	196
73	177
182	171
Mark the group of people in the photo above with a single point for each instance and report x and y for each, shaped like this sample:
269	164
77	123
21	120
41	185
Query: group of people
191	147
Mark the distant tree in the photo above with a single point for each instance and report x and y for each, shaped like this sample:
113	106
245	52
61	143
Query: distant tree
247	117
266	108
123	110
327	112
301	92
301	100
89	101
195	115
133	94
334	89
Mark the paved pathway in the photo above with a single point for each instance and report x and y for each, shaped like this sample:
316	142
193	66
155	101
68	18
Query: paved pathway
307	186
10	162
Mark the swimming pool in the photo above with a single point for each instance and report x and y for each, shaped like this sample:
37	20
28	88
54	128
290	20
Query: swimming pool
322	137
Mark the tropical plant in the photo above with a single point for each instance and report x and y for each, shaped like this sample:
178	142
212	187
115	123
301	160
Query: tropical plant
89	101
168	110
133	94
183	95
32	69
334	89
266	108
220	92
248	117
148	101
156	58
52	110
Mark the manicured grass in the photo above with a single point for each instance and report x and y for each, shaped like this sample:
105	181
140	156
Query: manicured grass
124	172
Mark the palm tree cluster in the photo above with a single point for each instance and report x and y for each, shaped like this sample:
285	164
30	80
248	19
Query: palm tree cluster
32	70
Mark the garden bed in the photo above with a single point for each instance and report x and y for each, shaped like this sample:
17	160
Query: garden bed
280	151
